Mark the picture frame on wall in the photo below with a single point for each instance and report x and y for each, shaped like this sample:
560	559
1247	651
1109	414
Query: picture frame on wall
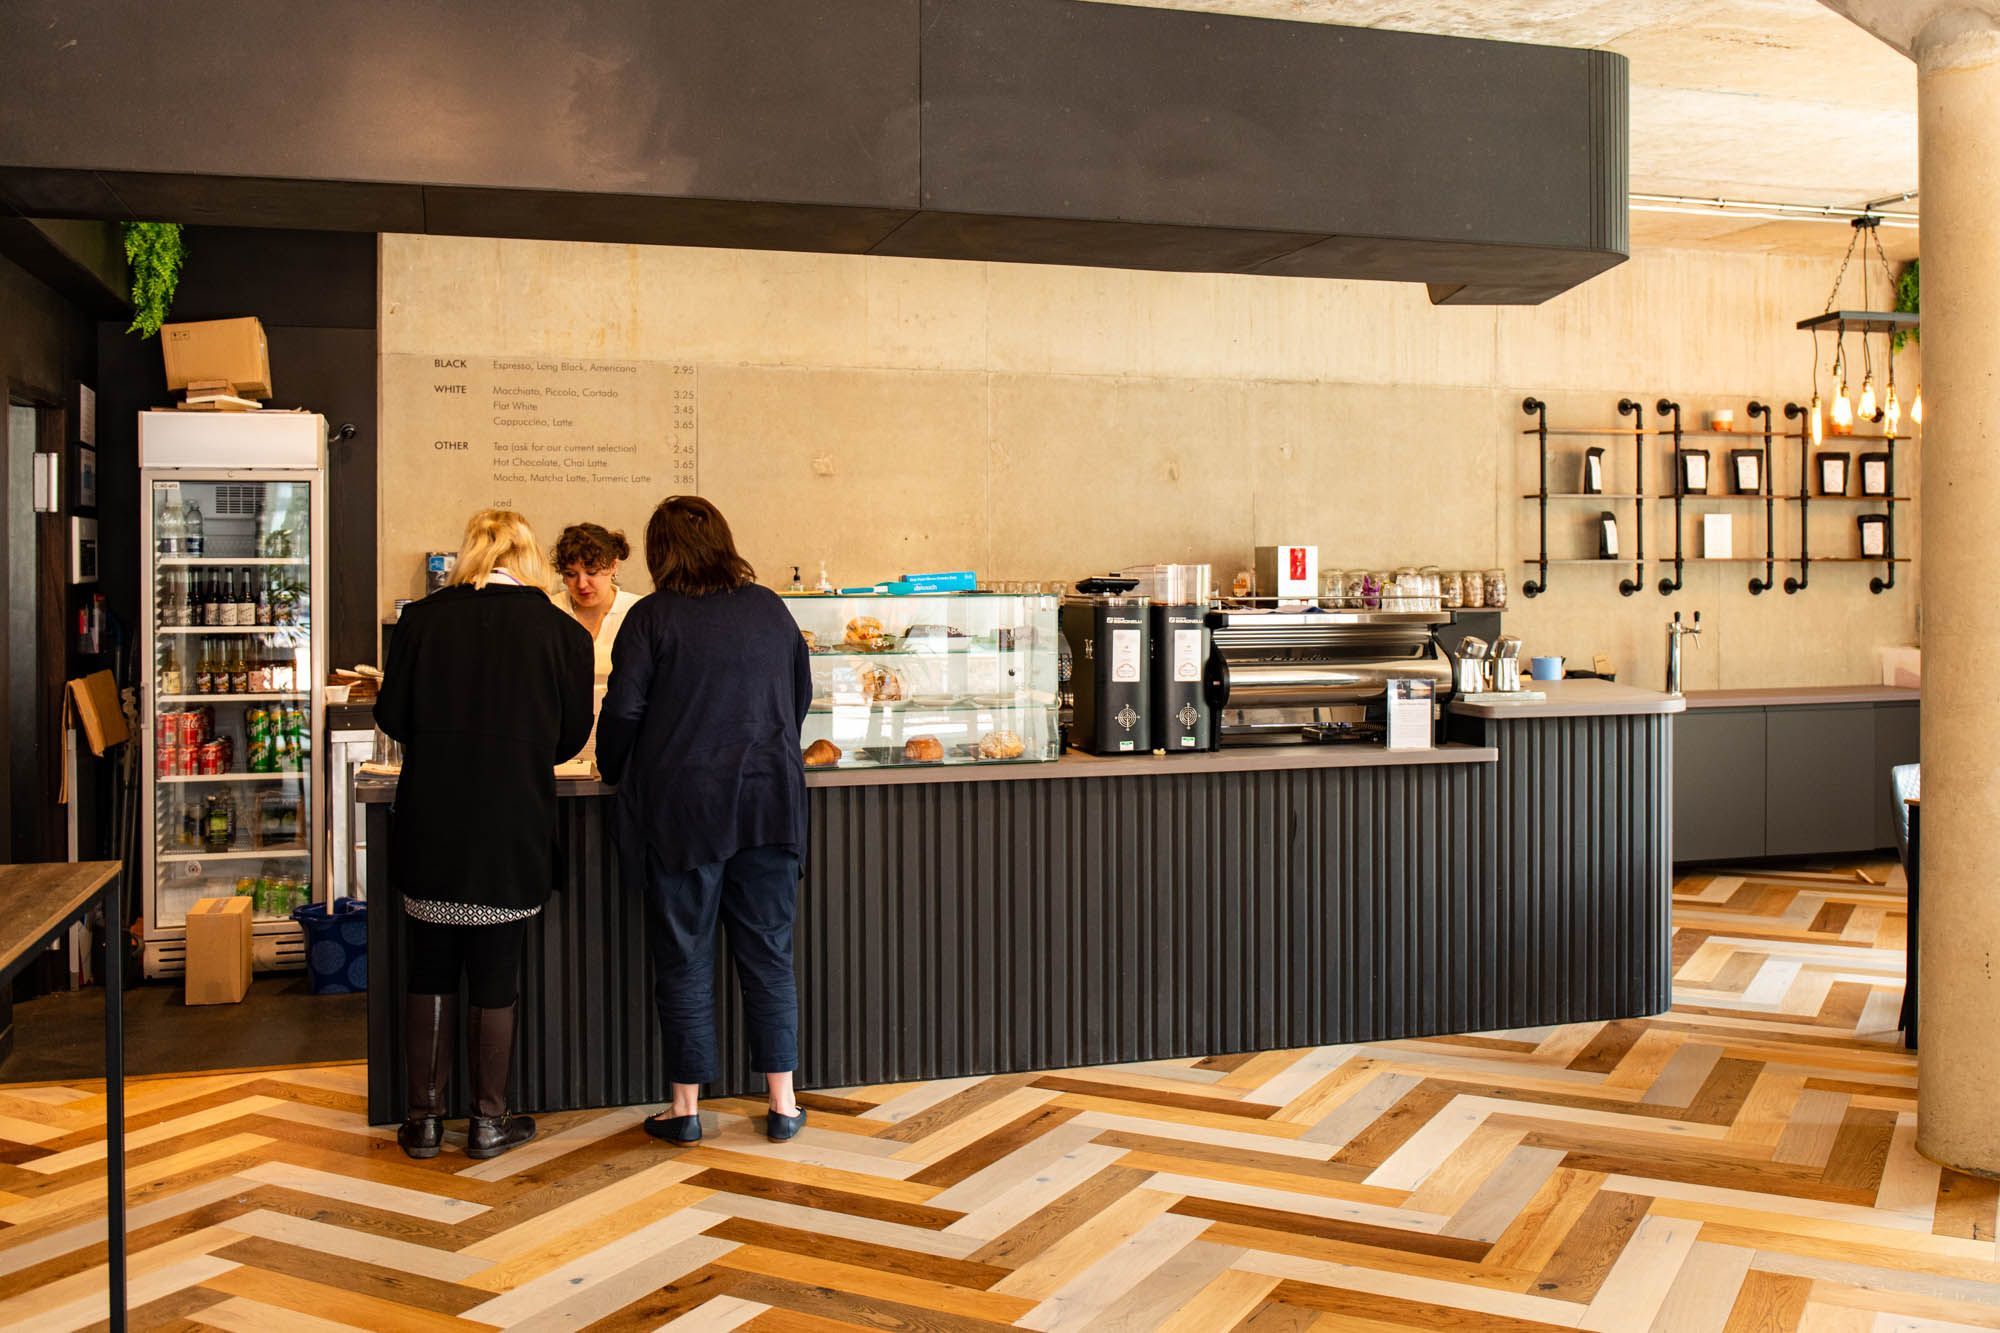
1593	471
1746	472
1875	474
86	477
1874	535
1831	468
1694	471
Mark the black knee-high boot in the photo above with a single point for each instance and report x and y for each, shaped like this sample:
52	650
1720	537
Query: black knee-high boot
490	1037
428	1033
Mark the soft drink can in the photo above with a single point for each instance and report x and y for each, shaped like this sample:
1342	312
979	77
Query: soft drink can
170	730
214	760
193	730
169	760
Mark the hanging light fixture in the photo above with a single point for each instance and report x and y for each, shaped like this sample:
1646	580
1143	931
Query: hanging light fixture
1842	411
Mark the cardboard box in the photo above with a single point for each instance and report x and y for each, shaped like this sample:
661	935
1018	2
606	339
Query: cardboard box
218	950
230	350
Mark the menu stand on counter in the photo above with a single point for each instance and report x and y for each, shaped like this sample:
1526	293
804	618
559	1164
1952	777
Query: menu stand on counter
1539	409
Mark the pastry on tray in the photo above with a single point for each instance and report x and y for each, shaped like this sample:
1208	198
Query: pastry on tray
1001	744
812	640
822	754
923	749
865	633
880	685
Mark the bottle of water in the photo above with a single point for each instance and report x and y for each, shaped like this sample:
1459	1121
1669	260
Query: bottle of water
192	542
168	536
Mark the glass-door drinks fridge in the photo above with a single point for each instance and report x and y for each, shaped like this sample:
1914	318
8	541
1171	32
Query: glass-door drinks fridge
234	589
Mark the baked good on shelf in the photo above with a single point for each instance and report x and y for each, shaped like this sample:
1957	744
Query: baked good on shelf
822	754
865	633
881	685
923	749
1001	744
812	640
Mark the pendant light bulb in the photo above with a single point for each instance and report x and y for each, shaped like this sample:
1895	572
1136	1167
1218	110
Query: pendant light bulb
1892	412
1865	409
1814	421
1917	407
1843	411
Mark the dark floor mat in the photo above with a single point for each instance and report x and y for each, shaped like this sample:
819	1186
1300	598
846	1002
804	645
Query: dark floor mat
280	1022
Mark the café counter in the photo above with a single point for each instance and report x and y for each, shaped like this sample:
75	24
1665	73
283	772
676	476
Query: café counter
979	919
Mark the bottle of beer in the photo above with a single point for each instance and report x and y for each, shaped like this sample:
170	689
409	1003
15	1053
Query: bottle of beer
204	672
211	598
226	603
246	600
170	670
239	670
264	597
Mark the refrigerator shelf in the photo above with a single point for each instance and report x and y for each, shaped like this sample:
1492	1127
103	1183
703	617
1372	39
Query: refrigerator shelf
249	854
298	631
289	696
235	777
222	561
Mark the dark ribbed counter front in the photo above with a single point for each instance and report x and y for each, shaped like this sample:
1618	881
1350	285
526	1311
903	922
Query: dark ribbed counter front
1098	910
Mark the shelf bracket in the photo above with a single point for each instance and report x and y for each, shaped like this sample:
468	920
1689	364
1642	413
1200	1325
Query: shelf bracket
1793	412
1668	587
1630	407
1769	484
1887	581
1538	409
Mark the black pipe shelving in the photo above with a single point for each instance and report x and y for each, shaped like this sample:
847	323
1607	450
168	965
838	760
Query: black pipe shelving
1769	484
1542	431
1793	412
1670	586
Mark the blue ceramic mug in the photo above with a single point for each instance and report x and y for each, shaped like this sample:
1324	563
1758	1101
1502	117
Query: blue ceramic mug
1546	668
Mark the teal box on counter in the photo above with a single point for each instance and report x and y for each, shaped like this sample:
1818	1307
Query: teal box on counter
958	580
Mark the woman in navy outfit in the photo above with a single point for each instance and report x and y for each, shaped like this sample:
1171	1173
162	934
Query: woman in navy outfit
710	683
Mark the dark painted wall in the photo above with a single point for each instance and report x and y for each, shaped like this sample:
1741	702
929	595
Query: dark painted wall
315	292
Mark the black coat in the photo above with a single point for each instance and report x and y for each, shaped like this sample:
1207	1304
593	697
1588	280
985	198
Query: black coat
488	689
700	729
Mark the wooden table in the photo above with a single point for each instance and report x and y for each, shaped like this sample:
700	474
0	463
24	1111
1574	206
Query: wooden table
38	903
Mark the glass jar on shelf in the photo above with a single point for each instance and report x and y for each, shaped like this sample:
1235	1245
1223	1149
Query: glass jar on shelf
1451	590
1496	589
1473	582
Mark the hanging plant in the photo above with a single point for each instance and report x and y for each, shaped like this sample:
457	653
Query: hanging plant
1907	288
154	252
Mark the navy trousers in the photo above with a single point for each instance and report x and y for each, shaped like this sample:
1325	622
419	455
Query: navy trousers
755	895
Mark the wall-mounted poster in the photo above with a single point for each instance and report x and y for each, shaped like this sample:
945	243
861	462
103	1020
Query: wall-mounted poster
86	477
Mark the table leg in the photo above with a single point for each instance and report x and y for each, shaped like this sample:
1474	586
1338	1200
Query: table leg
114	1098
1910	874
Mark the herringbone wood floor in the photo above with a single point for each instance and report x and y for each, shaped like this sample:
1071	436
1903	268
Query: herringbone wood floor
1745	1161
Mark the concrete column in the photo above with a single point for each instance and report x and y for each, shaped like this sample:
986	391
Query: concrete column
1958	129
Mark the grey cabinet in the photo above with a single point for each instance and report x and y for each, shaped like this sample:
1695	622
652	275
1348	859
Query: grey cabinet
1820	780
1719	784
1788	779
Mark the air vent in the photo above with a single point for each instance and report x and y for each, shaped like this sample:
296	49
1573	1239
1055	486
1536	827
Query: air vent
239	499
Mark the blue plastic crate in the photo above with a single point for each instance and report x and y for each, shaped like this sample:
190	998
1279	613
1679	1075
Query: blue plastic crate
336	946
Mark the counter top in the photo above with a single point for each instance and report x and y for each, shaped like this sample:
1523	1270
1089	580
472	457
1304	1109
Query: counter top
1574	698
372	788
1792	696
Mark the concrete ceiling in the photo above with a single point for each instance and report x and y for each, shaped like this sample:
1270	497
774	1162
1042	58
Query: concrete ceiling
1781	101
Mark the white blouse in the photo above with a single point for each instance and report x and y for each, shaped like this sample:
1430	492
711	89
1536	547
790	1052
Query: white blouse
607	631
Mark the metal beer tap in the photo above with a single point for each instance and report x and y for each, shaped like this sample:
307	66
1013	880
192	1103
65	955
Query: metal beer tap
1675	633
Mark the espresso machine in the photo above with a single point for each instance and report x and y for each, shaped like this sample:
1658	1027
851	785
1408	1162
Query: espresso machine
1109	630
1277	676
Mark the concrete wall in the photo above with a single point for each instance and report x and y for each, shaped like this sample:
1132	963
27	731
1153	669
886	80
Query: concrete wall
1043	423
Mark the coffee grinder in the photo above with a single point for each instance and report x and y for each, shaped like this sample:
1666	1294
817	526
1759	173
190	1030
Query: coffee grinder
1110	637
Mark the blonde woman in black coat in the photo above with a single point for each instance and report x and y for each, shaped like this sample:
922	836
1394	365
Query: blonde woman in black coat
488	687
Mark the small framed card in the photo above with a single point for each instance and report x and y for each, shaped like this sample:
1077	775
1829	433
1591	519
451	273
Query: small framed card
1874	535
1694	471
86	476
1717	537
1746	472
1607	536
1832	473
1875	474
1593	471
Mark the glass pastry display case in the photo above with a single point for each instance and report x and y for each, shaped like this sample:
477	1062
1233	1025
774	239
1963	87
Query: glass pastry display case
929	679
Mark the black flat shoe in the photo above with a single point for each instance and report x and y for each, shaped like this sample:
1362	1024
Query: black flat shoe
779	1128
675	1128
421	1136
